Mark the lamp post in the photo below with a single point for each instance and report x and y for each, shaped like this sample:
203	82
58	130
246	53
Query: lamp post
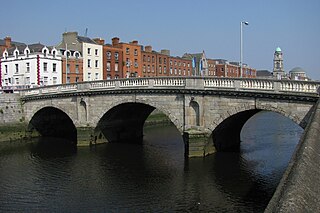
241	24
66	63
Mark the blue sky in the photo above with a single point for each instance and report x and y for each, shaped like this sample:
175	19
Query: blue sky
181	26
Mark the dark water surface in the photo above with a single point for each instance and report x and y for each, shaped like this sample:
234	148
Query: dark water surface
153	177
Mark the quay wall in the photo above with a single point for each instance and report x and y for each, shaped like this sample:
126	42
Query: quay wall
299	189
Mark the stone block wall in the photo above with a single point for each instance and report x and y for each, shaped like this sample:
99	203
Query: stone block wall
11	111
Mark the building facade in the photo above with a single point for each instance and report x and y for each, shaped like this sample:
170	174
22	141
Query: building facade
85	63
32	65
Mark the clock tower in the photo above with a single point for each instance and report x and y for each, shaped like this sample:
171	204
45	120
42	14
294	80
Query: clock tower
278	71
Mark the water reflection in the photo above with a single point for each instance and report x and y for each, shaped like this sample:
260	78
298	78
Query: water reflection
152	177
48	147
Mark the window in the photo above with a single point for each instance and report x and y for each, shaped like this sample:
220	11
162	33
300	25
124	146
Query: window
54	67
135	62
27	80
68	68
152	59
160	69
53	53
144	58
17	68
96	51
97	76
164	60
68	79
45	80
77	68
89	63
6	69
97	63
148	68
45	67
148	58
16	54
108	77
28	66
116	67
170	70
127	50
116	56
89	76
54	80
144	68
17	80
152	68
108	55
135	52
27	53
89	51
77	79
45	53
164	69
170	62
160	60
108	66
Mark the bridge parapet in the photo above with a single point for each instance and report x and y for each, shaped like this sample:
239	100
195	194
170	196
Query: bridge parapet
189	83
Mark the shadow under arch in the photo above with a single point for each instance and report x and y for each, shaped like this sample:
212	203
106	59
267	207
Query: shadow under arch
54	123
123	123
226	136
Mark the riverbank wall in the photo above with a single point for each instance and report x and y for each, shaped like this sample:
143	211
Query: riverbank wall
12	120
299	188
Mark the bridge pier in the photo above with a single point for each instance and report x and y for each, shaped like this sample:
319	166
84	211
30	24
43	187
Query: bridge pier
197	143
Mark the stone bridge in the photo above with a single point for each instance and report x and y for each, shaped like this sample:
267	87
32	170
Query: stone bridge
208	112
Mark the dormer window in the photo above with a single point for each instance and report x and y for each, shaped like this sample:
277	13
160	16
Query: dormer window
45	52
54	52
16	53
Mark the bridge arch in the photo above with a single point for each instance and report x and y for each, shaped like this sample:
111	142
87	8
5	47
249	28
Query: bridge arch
53	122
226	132
162	108
124	121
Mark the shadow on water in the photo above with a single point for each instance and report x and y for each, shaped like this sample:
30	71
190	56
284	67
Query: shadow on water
49	147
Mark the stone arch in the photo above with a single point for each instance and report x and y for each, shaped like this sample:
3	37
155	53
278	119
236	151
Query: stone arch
176	121
226	130
38	107
52	122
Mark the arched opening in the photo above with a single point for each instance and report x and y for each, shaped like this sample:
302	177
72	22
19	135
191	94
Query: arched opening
83	111
123	123
226	136
54	123
194	114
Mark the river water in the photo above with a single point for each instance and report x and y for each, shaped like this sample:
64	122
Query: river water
153	177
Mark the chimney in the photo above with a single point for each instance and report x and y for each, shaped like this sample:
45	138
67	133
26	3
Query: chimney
7	41
115	41
165	52
134	42
99	41
148	49
69	37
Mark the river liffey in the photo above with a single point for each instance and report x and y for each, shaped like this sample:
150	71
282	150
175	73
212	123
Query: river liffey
153	177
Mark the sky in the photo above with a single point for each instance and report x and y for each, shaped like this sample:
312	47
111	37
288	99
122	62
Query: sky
182	26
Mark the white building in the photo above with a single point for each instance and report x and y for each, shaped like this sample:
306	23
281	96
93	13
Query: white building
90	51
26	66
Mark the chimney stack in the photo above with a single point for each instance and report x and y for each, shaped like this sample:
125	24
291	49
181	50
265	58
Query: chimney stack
148	49
115	41
7	41
134	42
99	41
165	52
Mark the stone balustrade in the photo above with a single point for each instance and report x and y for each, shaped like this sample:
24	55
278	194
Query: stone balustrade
236	84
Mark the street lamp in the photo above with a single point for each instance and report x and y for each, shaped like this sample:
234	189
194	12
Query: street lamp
241	24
